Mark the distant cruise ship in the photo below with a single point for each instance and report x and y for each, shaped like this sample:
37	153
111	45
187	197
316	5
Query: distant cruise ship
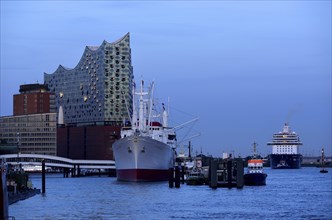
285	150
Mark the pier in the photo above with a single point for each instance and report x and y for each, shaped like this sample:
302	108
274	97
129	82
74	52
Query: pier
226	173
221	173
70	167
19	186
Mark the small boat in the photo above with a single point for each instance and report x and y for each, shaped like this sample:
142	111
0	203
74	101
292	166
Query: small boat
323	170
196	177
255	175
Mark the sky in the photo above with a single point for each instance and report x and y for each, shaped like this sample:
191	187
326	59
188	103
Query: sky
243	67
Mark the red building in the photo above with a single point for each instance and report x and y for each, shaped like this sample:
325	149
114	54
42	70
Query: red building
87	142
33	99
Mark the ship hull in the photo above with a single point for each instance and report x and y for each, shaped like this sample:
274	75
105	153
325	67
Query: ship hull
255	179
285	161
142	159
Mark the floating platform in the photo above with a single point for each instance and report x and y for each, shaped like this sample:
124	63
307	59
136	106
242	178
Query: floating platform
15	197
226	173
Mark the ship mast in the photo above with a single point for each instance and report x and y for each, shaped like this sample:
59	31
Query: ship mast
150	105
141	108
134	119
165	117
255	148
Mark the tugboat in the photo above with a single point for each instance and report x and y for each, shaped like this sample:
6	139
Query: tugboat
255	175
197	176
323	170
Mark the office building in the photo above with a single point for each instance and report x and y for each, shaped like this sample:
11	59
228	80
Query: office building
32	134
32	128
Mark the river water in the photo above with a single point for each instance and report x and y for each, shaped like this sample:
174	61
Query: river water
289	194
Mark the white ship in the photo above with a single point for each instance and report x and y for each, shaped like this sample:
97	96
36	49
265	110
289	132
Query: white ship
285	149
146	149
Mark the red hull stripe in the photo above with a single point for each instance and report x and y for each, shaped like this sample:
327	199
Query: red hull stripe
142	175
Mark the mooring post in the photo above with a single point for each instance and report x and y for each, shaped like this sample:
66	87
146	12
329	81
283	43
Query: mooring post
182	173
239	173
3	193
177	177
43	176
65	172
213	174
74	171
78	171
171	177
229	172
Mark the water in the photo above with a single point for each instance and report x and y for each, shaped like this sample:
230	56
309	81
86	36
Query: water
289	194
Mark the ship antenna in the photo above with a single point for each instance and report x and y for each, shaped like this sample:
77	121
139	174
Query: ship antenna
134	115
141	114
150	104
255	146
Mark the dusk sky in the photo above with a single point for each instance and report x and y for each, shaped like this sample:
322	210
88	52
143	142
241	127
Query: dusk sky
243	67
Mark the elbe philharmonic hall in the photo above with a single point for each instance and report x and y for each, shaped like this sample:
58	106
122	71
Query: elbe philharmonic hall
78	112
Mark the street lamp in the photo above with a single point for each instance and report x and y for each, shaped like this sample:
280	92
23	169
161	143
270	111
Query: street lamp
18	138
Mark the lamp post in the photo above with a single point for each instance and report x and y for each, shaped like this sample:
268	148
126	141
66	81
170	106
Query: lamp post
18	138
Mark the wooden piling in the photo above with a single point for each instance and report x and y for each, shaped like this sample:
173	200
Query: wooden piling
229	173
182	174
3	193
177	177
65	172
43	176
171	177
213	174
239	173
74	171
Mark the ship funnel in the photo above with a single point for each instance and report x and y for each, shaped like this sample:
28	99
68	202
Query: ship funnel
286	128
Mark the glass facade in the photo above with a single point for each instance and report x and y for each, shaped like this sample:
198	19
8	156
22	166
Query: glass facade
99	88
